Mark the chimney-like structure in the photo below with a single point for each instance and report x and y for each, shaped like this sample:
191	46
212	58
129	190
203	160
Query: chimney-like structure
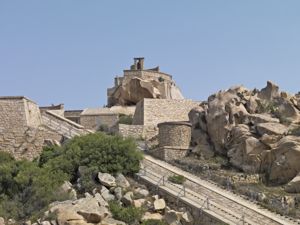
138	64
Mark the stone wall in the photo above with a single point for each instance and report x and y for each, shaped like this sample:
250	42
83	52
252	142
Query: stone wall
155	111
169	153
135	131
93	122
21	130
174	134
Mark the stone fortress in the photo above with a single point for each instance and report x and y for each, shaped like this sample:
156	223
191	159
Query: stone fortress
149	96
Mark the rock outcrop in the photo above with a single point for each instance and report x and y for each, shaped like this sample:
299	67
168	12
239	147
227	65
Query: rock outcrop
257	130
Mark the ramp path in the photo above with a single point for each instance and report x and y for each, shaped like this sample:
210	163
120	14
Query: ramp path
63	126
208	197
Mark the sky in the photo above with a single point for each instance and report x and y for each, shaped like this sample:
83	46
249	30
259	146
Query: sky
69	51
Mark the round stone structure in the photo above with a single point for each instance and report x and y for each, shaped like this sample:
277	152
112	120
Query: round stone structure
175	134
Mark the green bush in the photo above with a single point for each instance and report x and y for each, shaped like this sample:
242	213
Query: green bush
177	179
130	215
125	119
153	222
106	153
26	189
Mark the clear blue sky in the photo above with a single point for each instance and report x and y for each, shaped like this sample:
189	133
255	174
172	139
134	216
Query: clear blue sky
68	51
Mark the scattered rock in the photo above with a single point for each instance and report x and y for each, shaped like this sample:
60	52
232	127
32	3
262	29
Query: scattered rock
152	216
172	217
121	181
107	180
118	193
159	204
2	221
107	196
186	218
142	192
111	221
127	199
101	200
138	203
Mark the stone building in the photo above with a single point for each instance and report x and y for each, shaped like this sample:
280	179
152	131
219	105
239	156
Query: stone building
24	130
138	83
98	118
173	140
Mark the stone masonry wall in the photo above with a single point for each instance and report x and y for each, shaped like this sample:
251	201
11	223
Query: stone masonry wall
135	131
93	122
155	111
21	131
174	134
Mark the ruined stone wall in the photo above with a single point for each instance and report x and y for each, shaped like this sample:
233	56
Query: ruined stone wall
155	111
93	122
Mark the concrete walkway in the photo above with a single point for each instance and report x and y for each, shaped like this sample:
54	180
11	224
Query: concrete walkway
224	203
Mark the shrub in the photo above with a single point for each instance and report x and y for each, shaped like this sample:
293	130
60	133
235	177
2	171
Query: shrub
26	189
125	119
130	215
177	179
160	79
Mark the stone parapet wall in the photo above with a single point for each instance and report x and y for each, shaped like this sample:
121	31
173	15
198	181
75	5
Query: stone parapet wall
155	111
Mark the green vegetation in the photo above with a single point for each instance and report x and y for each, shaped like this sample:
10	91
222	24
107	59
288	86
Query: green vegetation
130	214
154	222
27	188
268	107
177	179
125	119
160	79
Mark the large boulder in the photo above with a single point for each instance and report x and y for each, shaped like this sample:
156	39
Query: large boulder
284	160
86	208
270	92
245	151
294	185
271	129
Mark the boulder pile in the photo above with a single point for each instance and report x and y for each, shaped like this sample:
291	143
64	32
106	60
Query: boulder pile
94	208
258	130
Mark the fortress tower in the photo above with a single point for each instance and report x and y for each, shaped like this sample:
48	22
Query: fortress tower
138	83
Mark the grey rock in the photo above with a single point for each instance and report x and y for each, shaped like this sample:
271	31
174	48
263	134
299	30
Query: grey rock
107	180
159	204
121	181
127	199
118	193
107	196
